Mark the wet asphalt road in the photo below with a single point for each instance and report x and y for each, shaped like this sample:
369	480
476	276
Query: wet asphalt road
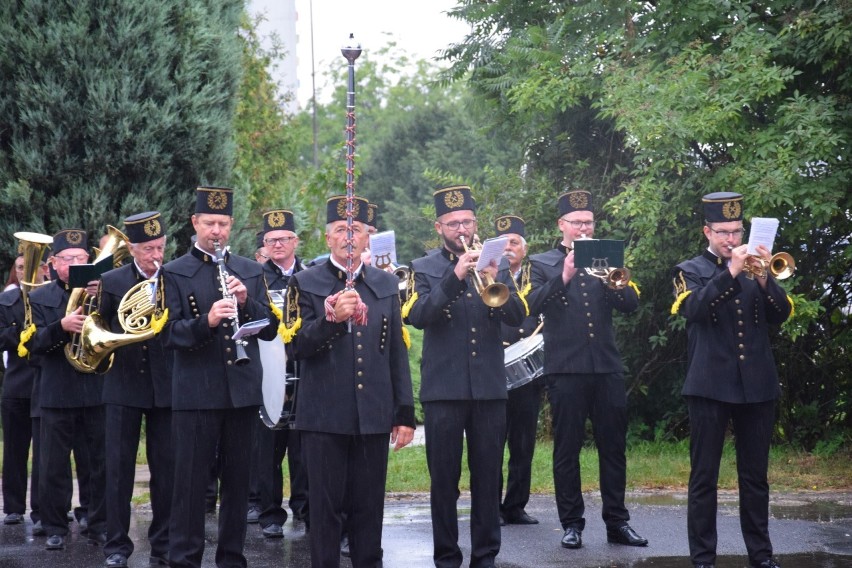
808	531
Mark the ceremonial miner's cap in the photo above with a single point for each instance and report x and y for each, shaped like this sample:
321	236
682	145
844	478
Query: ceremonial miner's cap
723	206
258	239
215	200
372	214
144	227
509	224
453	198
336	209
70	239
575	200
278	220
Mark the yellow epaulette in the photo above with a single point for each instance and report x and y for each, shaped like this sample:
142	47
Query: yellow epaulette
26	335
288	333
406	308
792	306
406	338
635	287
158	323
679	300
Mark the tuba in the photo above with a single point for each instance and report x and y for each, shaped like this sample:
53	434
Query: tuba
494	294
88	350
32	247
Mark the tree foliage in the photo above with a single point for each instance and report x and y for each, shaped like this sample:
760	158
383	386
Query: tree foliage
697	97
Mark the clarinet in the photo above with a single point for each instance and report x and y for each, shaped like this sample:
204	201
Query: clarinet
242	357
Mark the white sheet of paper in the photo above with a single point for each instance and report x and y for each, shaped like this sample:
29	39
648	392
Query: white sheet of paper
763	230
251	328
383	248
492	249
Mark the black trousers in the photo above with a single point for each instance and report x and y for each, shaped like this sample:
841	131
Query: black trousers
521	428
195	435
59	426
82	459
35	514
448	424
340	466
271	446
708	423
17	434
123	426
573	399
298	474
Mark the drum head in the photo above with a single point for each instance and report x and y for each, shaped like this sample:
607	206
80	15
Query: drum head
273	358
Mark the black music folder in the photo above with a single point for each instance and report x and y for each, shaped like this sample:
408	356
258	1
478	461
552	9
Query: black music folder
79	275
598	253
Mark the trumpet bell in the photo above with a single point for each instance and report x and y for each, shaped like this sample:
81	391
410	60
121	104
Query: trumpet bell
494	294
618	278
782	265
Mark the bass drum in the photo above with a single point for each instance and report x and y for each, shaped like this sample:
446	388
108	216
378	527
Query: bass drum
275	412
524	361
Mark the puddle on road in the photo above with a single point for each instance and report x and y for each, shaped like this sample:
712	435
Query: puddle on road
801	508
812	560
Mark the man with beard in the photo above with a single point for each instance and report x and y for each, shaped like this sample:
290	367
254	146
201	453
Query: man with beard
463	387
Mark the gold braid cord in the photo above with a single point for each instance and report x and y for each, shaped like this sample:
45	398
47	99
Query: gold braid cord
292	320
681	291
524	286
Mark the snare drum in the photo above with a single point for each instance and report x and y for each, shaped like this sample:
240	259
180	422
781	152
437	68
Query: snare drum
524	361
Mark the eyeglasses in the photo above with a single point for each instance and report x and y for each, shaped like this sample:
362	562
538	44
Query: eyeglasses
279	241
454	225
727	234
578	224
71	258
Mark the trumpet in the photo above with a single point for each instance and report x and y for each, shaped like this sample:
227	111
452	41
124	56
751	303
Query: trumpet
781	266
494	294
614	278
242	356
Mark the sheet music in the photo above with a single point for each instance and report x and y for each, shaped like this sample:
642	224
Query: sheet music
383	248
763	230
251	328
492	249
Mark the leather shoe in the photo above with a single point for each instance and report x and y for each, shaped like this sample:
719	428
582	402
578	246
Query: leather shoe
55	542
625	535
38	529
96	538
273	531
157	561
253	515
116	561
573	538
521	519
13	519
770	563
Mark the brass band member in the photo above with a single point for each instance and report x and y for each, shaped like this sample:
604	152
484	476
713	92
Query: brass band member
69	399
463	387
524	401
138	386
584	373
280	242
354	390
731	377
214	399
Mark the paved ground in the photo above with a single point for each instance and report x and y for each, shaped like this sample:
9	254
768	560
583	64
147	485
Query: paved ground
808	531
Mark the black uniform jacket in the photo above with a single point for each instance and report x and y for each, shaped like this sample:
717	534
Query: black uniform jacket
578	334
462	344
19	376
62	386
274	276
141	373
205	376
727	324
351	383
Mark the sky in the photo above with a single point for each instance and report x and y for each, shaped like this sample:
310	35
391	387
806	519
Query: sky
420	27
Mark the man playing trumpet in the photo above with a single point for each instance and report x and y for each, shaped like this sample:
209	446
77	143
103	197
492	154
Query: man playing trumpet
463	387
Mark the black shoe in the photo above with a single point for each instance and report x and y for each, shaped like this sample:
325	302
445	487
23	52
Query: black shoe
573	538
625	535
502	520
520	519
38	529
13	519
96	538
767	564
116	561
253	515
344	545
300	515
55	542
273	531
157	561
